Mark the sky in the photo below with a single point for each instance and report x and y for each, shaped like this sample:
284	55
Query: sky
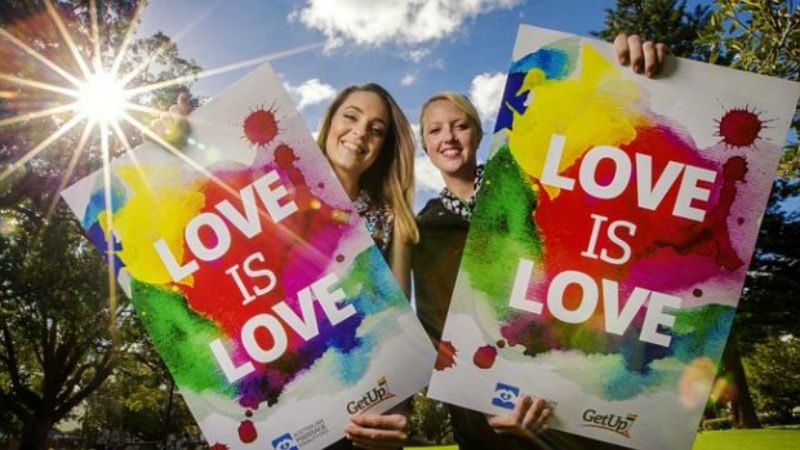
414	52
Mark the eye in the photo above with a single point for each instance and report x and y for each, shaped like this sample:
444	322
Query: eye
463	126
349	116
434	130
377	131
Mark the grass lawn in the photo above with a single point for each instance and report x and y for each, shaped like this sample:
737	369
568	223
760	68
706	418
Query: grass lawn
768	439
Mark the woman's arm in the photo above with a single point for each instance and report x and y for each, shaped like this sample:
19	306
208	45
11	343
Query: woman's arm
400	263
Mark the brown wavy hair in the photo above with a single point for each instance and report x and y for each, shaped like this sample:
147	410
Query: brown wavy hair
390	178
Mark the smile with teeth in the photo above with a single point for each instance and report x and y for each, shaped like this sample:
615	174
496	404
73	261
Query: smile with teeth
451	151
353	148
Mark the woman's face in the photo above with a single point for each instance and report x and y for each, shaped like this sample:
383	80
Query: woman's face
357	133
450	138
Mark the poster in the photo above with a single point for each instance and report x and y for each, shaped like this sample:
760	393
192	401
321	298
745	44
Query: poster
619	215
254	277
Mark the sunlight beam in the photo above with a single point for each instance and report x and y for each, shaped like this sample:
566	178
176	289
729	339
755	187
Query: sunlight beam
126	42
38	85
67	38
41	147
33	53
223	69
112	276
38	114
131	154
155	137
73	161
97	62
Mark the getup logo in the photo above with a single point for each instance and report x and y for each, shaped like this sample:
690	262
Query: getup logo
505	395
371	398
284	442
611	422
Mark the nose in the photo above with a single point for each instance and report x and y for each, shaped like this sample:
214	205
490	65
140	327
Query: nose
449	136
359	131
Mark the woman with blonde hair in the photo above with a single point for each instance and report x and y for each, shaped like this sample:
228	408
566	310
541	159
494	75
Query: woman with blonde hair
451	131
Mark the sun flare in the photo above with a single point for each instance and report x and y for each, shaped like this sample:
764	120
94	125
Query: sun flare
101	98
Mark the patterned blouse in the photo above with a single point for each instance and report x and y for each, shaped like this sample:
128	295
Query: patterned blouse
455	205
379	218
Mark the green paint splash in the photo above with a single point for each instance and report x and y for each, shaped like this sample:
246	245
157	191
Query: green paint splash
501	231
181	338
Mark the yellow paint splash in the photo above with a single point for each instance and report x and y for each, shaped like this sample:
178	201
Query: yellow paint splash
156	211
598	107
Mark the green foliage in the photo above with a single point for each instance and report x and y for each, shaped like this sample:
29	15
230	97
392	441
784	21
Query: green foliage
666	21
774	378
62	335
769	305
762	37
430	421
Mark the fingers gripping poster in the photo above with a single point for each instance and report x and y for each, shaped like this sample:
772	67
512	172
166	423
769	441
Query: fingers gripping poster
254	276
618	216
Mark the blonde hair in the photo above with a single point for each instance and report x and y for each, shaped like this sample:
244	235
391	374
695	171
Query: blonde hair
390	178
461	103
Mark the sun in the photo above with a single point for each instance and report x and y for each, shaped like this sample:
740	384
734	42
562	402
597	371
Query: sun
102	98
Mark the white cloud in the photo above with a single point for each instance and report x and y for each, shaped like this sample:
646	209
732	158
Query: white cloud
376	22
426	175
416	55
310	92
408	79
486	93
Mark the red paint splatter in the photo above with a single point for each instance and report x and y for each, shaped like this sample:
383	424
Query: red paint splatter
484	357
247	432
446	357
739	127
219	446
260	127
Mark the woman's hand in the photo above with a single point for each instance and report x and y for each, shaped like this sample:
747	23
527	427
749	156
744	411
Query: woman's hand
374	431
172	125
529	418
644	57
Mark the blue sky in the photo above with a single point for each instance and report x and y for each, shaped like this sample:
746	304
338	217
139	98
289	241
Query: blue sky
465	46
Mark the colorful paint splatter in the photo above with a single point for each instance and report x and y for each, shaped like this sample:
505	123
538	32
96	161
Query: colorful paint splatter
259	287
618	245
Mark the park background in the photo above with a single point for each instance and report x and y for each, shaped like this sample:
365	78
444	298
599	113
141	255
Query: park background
77	371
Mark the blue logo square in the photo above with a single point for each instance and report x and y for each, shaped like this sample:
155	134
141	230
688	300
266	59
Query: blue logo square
505	396
284	442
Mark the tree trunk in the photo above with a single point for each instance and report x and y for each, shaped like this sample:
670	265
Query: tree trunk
34	434
742	409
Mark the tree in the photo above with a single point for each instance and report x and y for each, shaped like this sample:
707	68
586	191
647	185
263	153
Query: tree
429	423
60	338
53	285
772	369
666	21
761	37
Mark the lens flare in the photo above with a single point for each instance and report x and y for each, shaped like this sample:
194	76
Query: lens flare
102	99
